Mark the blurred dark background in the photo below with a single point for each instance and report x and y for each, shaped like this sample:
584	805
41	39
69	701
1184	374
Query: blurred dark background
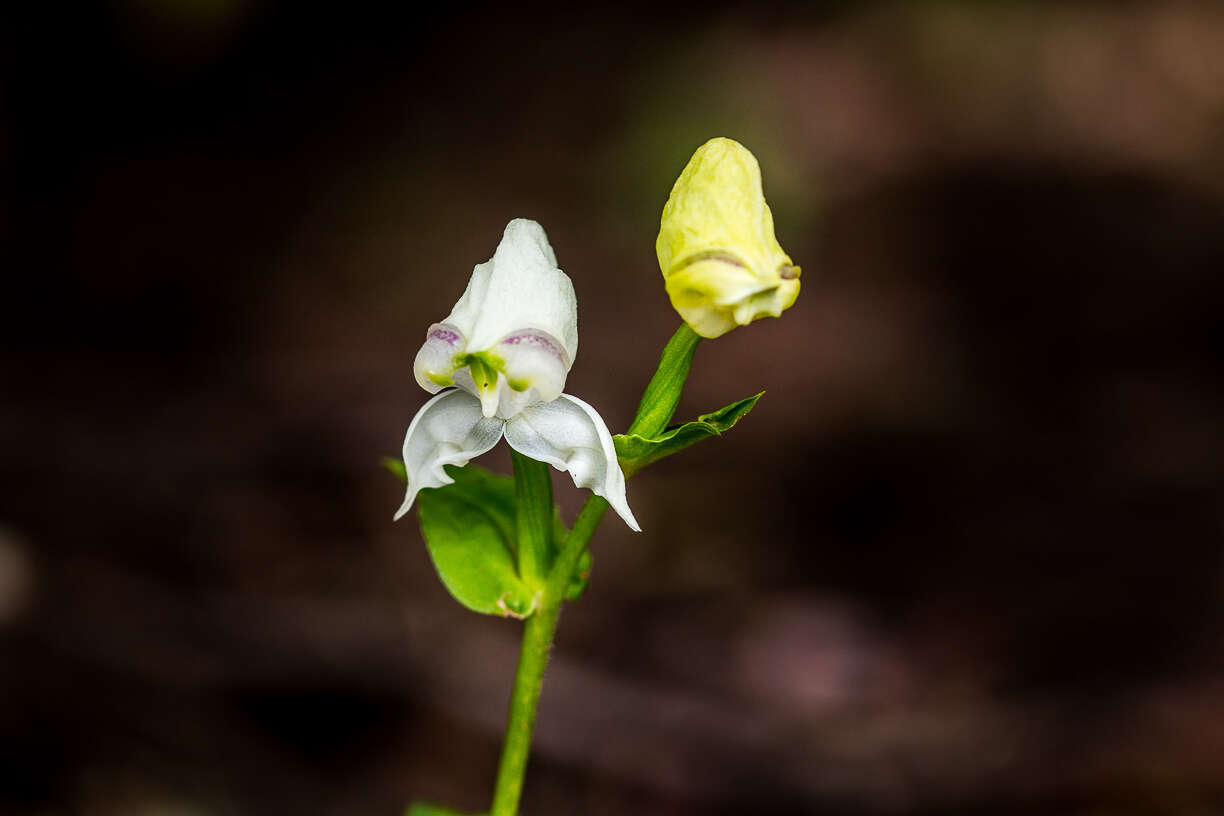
964	557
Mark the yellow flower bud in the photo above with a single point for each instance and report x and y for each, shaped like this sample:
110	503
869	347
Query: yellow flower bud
721	262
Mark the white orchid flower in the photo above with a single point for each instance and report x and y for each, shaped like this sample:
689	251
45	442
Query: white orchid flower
508	346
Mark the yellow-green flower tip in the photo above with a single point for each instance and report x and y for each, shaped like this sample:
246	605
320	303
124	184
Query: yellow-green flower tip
721	262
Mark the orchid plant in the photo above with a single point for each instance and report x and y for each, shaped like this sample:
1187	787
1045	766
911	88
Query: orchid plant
497	367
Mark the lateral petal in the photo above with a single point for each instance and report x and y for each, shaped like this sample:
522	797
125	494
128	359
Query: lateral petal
434	366
569	435
448	430
535	368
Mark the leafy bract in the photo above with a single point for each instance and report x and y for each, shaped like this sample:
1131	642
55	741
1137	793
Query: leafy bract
636	451
469	529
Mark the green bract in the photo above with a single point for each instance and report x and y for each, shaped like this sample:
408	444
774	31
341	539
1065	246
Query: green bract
469	528
636	451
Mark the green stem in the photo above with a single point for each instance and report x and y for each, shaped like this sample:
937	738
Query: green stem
533	493
575	545
662	394
538	631
534	517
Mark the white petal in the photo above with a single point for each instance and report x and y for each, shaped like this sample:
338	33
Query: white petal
434	366
524	290
536	365
448	430
569	435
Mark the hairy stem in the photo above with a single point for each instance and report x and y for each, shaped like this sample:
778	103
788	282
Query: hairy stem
538	631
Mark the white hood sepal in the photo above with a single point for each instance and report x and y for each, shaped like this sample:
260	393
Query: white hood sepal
512	336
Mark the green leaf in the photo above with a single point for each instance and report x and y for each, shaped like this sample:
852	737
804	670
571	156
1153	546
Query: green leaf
636	451
469	529
498	490
426	809
496	502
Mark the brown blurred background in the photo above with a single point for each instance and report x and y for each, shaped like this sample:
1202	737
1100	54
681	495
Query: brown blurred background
964	557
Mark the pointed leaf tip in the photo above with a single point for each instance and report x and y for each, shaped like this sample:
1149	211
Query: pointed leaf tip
636	452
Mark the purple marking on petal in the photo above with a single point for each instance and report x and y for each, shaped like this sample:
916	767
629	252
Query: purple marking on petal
448	336
537	340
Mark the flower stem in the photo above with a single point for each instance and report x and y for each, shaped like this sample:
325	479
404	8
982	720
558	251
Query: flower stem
538	631
534	518
533	493
662	394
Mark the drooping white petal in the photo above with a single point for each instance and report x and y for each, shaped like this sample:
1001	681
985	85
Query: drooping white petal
520	287
448	430
434	366
569	435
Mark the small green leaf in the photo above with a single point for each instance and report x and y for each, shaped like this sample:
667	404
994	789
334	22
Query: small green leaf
426	809
636	452
495	498
469	529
